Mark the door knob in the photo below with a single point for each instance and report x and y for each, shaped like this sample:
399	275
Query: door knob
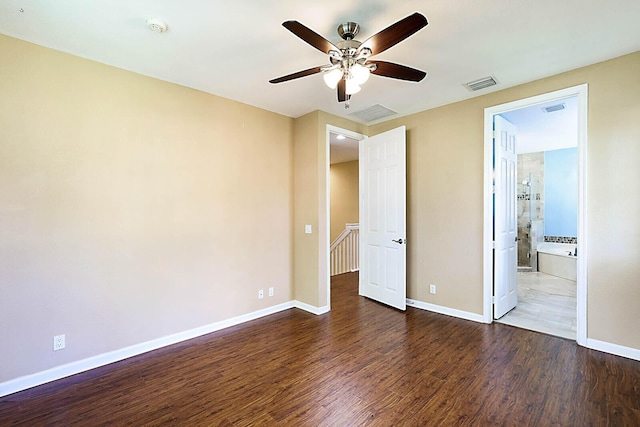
399	241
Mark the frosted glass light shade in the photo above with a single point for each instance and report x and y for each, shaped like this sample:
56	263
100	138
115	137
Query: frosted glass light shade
352	87
331	78
360	73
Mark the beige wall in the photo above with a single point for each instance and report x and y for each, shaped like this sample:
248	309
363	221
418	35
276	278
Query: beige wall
131	208
445	192
344	196
306	184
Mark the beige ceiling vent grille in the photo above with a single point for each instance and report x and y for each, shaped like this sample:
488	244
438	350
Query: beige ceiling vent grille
481	84
375	112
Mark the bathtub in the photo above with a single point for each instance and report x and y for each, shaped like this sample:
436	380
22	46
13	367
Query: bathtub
557	259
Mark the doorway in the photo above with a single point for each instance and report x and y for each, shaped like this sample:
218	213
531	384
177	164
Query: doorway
546	212
490	274
342	151
382	215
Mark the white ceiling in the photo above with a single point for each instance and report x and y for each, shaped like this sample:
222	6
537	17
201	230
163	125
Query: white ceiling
342	150
539	130
232	48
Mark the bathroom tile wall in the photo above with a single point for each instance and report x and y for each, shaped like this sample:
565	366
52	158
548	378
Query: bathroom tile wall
530	227
561	239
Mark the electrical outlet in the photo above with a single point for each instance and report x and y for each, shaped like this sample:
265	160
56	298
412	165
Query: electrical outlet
432	289
271	291
58	342
260	294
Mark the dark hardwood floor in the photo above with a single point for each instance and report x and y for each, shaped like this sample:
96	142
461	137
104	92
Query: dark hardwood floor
360	364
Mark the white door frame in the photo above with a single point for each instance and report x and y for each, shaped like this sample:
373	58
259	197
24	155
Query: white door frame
324	261
581	91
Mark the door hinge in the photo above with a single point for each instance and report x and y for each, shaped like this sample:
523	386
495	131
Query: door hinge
493	244
493	300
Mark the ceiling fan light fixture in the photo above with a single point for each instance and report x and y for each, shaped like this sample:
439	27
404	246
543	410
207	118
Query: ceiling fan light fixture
348	65
360	73
352	87
332	77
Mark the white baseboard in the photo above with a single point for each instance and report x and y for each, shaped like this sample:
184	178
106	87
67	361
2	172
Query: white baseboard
618	350
62	371
310	308
606	347
446	310
32	380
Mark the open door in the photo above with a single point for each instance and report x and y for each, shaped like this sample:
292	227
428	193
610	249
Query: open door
383	254
505	215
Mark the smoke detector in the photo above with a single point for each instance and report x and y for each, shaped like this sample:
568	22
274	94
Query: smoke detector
156	25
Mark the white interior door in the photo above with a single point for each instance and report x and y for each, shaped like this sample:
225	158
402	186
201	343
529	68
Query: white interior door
383	227
505	285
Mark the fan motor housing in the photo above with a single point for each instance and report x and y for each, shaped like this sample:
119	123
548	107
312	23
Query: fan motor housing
348	30
348	44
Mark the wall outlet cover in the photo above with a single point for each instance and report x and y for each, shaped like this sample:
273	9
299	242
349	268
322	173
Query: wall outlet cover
58	342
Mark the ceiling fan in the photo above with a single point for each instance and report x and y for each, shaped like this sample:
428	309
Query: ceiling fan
350	63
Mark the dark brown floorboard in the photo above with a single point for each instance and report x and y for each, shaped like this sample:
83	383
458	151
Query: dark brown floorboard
360	364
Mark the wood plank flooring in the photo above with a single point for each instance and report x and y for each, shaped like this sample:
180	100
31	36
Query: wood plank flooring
360	364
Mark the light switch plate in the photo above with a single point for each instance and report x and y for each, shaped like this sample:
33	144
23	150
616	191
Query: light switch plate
307	228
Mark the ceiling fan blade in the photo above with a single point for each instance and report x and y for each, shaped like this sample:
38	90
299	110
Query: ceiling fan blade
310	36
342	91
395	33
397	71
297	75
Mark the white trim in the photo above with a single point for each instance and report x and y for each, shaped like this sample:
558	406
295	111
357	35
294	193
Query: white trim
488	243
618	350
446	310
582	92
310	308
62	371
581	261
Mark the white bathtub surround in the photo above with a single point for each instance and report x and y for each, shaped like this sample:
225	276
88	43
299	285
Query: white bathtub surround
557	259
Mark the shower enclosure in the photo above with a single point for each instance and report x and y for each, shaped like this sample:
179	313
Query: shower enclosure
530	221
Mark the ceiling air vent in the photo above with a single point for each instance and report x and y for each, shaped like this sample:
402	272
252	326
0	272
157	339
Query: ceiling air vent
481	84
375	112
552	108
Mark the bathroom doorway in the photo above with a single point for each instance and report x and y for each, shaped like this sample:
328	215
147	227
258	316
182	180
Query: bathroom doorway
547	217
551	130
